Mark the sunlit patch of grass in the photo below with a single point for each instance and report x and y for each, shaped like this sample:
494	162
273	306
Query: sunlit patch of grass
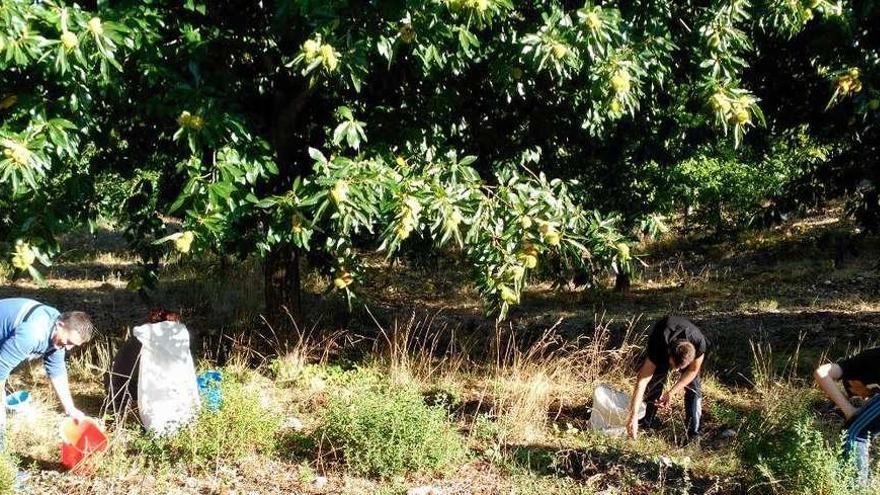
6	272
35	434
760	306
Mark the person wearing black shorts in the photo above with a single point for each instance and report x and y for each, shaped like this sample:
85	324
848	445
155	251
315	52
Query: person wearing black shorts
674	343
860	376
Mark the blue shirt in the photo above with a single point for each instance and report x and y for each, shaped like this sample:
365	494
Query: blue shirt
28	339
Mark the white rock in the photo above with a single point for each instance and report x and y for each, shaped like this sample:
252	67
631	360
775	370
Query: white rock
320	482
728	434
424	490
293	423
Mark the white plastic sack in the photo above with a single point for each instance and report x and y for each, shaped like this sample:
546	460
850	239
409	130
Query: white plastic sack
610	409
168	396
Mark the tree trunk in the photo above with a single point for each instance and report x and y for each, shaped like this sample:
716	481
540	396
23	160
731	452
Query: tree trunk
622	283
281	269
282	287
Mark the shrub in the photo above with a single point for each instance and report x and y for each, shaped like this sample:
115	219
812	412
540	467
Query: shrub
383	430
782	441
243	425
7	475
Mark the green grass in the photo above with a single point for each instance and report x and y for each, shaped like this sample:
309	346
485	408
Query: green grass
383	430
243	425
7	474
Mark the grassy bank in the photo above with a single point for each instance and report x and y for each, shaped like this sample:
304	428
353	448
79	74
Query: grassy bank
422	391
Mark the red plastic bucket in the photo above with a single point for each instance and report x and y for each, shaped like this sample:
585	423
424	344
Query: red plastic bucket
79	440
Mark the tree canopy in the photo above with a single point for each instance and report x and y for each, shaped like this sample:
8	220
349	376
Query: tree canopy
511	132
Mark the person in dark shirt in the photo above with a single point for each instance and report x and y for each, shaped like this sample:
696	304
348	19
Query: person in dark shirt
860	376
674	343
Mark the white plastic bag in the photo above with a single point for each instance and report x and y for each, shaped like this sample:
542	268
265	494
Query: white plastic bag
610	409
168	396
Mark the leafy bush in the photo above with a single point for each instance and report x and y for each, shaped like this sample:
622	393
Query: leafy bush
243	425
783	442
384	430
724	187
7	474
729	190
291	371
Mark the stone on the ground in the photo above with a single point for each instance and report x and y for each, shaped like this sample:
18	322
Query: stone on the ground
424	490
728	434
293	423
320	482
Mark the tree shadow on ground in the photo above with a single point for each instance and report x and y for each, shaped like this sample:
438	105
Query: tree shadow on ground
113	310
612	468
782	337
28	462
734	337
731	334
92	404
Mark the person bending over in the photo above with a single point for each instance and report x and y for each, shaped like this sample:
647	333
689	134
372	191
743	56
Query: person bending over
674	343
860	376
30	330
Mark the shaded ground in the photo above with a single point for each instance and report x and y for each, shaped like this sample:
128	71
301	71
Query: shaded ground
808	286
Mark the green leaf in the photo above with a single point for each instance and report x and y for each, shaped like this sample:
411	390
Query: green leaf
340	132
317	156
385	48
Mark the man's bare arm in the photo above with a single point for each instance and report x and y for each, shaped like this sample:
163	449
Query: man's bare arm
62	390
827	377
688	376
644	376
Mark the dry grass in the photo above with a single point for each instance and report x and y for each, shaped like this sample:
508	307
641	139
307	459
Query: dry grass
523	386
532	388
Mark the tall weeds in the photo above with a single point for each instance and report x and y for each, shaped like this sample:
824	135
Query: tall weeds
783	439
521	382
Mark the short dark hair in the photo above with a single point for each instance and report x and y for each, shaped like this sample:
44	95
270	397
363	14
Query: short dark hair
78	322
683	353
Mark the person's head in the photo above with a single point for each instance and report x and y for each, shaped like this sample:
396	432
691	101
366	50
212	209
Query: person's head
682	355
72	328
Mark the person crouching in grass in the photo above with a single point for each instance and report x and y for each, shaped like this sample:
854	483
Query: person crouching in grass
860	376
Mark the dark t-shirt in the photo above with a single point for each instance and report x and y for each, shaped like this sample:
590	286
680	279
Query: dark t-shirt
667	332
861	373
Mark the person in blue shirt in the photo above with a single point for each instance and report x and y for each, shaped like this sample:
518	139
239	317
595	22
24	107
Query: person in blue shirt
30	330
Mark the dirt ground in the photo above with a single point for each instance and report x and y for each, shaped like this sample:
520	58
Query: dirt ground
809	286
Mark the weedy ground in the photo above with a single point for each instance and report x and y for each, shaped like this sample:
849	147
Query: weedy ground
415	387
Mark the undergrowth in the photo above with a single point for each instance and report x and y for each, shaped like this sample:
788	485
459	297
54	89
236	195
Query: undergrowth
783	440
789	451
7	474
243	425
381	429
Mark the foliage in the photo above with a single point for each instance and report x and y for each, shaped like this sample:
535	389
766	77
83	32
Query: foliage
57	61
786	446
829	85
721	188
512	131
243	425
384	430
8	472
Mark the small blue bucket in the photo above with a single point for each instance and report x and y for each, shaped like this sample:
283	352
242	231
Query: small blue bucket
209	388
18	400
